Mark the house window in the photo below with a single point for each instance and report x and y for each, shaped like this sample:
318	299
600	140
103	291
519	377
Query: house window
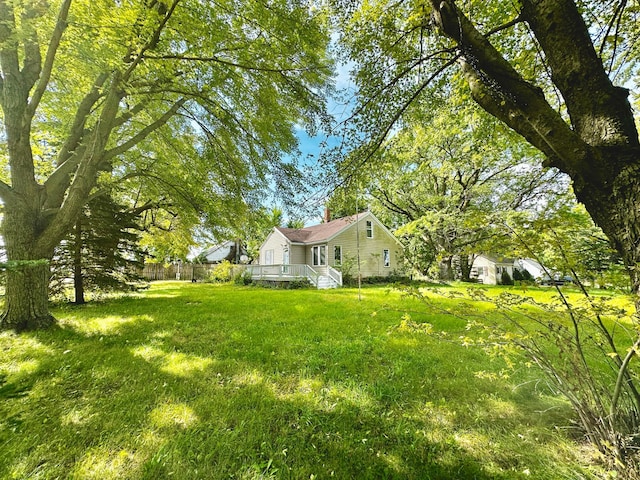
319	255
268	257
386	258
337	255
369	229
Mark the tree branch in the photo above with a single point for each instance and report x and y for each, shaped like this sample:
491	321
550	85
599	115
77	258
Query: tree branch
10	67
32	61
144	133
54	43
129	114
152	42
373	146
229	63
72	150
77	132
506	26
501	91
384	198
6	193
603	116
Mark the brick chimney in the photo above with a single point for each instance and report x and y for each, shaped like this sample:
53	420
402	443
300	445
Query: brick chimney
327	215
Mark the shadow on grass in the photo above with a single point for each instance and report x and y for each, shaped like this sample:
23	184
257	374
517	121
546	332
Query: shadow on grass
188	384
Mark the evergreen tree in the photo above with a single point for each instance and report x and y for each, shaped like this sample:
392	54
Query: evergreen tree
101	253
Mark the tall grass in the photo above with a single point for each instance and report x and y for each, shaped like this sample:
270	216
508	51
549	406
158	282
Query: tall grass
195	381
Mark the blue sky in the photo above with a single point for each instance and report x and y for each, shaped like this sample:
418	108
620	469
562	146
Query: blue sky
312	147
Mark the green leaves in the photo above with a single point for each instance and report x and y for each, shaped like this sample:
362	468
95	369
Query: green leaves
448	178
185	106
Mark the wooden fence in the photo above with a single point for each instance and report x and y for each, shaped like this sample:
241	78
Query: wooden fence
186	272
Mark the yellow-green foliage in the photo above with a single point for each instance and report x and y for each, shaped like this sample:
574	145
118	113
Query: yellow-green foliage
223	272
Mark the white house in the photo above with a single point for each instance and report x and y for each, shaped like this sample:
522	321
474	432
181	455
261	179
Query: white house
231	250
489	268
536	270
321	251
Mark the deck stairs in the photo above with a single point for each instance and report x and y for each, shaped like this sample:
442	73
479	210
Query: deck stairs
325	281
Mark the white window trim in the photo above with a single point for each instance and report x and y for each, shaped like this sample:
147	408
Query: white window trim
367	230
337	262
319	256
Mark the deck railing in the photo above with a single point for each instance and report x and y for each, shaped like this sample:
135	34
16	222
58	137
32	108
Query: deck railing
311	274
291	272
283	272
335	275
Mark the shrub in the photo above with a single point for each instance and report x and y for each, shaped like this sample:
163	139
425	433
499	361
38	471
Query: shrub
526	275
580	348
517	275
221	273
299	284
349	281
242	277
505	278
284	285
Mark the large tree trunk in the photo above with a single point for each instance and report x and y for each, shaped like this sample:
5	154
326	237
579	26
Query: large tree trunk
465	268
598	148
40	211
27	298
27	289
446	269
615	207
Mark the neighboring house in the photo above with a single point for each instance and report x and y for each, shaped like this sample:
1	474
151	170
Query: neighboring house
322	250
231	250
536	270
488	268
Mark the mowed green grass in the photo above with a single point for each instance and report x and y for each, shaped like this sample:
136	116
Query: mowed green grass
193	381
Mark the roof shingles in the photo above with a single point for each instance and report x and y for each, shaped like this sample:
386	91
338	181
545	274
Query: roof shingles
317	233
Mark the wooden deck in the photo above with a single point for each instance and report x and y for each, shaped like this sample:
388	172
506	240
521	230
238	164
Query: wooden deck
288	273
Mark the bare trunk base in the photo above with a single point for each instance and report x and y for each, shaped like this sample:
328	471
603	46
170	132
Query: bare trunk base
446	269
27	298
26	323
465	268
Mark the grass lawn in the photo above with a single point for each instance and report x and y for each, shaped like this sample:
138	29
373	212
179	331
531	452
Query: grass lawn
197	381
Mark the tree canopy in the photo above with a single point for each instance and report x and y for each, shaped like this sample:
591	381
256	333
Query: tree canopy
555	72
207	93
448	178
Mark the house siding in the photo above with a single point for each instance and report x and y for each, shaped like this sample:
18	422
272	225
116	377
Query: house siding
371	249
490	275
298	254
274	242
536	270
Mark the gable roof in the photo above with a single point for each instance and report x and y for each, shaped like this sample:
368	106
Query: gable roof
321	232
222	251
